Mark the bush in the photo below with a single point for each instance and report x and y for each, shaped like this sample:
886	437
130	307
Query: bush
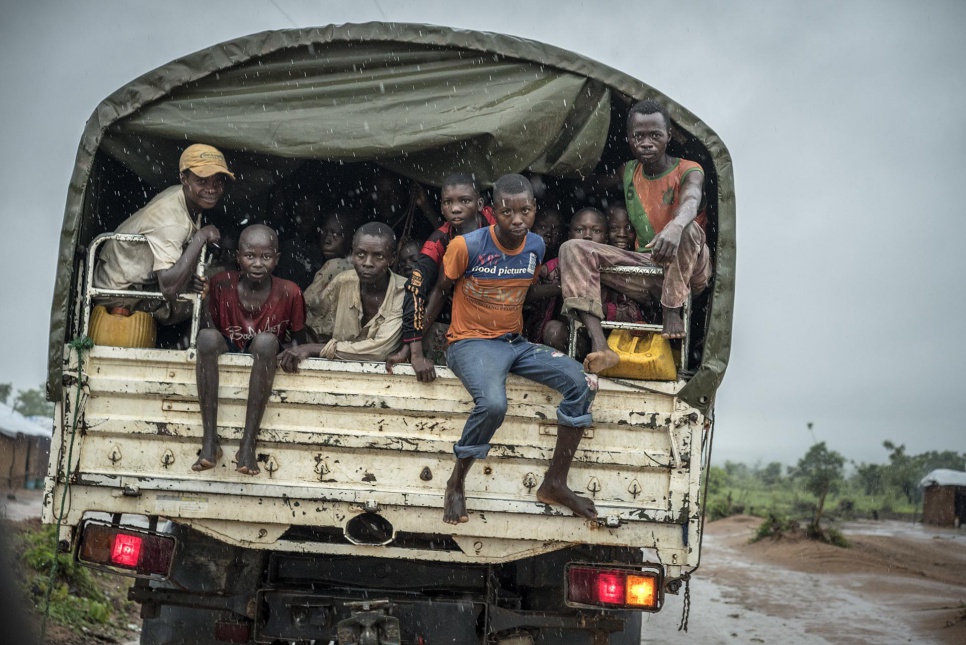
718	509
775	527
76	601
828	536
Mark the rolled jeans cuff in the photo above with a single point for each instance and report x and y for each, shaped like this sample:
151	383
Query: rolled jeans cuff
577	303
582	421
475	452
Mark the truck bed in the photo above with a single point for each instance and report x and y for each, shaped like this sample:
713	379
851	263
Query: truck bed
342	438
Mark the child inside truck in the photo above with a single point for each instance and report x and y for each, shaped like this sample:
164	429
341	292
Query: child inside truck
338	227
464	212
359	315
587	224
408	257
542	307
250	312
590	224
663	197
492	268
620	231
171	224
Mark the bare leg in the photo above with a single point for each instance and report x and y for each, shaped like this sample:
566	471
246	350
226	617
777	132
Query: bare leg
454	501
211	345
554	488
601	356
264	349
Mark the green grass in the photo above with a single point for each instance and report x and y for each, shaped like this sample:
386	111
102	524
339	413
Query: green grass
82	600
786	499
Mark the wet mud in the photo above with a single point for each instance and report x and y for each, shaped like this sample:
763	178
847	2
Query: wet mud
898	583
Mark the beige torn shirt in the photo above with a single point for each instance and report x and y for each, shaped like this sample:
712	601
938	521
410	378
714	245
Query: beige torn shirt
337	314
168	227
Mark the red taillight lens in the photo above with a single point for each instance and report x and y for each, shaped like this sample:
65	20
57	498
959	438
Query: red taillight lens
142	553
610	587
126	550
613	588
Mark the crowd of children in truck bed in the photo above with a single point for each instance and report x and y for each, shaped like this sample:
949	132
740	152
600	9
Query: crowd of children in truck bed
363	284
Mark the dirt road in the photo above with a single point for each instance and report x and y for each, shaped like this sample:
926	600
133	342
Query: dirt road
899	583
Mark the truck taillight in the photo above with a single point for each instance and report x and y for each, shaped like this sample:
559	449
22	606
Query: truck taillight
612	588
143	553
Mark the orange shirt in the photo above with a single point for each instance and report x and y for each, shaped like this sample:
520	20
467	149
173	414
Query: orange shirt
652	201
491	283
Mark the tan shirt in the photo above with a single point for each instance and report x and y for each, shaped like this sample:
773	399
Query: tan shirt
168	227
338	314
325	275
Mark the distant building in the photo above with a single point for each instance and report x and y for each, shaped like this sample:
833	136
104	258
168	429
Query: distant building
24	450
944	497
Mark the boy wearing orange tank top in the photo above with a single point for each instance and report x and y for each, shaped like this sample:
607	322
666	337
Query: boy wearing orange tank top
663	196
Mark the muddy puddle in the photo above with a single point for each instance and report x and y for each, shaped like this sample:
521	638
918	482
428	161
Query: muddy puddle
899	583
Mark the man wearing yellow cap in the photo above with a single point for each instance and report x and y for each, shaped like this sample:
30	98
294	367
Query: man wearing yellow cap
170	221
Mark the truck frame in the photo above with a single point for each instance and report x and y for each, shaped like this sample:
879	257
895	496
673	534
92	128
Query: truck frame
340	538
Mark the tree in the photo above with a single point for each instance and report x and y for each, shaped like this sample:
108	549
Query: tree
871	478
32	402
821	470
903	471
5	389
771	475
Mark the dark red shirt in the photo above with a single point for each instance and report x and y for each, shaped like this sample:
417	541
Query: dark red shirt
282	312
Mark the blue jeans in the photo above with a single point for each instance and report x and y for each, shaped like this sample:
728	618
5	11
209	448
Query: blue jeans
482	365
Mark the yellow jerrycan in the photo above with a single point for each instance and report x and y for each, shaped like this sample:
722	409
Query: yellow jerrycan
647	356
121	329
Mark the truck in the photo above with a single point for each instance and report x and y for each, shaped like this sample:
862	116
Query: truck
340	538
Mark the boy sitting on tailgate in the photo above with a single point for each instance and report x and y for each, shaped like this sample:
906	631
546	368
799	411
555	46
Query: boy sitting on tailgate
359	314
251	312
464	212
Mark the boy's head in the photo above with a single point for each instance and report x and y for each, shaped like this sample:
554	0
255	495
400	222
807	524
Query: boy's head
203	175
373	252
408	256
336	232
549	225
648	131
514	207
226	253
589	224
460	199
257	252
620	232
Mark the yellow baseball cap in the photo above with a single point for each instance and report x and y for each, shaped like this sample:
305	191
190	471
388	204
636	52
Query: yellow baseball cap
204	161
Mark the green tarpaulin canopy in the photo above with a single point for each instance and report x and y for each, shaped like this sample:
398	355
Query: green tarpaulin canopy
420	100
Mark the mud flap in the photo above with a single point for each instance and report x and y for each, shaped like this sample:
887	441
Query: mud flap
369	625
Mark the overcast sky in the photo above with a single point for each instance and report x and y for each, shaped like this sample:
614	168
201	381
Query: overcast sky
845	120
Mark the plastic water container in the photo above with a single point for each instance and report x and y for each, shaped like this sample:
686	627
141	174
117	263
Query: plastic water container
647	356
118	330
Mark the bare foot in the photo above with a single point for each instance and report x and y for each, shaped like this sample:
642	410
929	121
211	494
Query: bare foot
563	496
207	459
597	362
673	323
245	461
454	505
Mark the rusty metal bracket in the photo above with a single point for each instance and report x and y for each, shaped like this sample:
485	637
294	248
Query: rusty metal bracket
529	481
